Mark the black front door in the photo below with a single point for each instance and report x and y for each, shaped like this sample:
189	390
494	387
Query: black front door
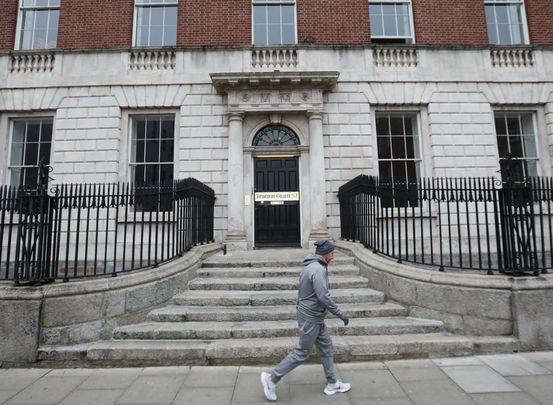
277	205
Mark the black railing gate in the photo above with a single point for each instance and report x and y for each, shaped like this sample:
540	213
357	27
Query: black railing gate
34	232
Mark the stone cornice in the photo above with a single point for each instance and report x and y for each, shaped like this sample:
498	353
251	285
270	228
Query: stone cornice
225	82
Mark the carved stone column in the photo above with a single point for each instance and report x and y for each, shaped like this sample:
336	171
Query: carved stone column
236	236
317	177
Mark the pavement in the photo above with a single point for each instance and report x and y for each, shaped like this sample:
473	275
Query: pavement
505	379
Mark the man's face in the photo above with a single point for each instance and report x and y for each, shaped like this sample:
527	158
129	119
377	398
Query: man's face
328	257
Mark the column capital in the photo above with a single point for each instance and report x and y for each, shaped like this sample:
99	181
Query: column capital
236	116
315	115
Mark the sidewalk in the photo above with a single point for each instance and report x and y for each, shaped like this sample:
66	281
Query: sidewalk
512	379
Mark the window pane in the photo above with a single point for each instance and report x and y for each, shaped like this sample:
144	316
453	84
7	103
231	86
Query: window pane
260	15
288	34
166	154
399	172
273	14
31	154
274	34
152	150
396	125
44	153
167	128
398	147
376	24
152	129
384	147
500	127
382	126
288	15
17	154
156	36
33	131
503	146
260	34
385	169
513	125
15	176
171	16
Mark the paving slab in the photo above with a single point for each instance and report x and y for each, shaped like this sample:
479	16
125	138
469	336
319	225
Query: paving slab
211	377
47	390
152	390
72	372
110	380
415	370
373	365
373	384
504	398
5	395
432	392
513	365
312	394
538	386
176	370
17	379
458	361
479	379
383	401
204	396
248	390
92	397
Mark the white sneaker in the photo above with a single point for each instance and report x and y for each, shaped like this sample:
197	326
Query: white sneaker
338	386
269	387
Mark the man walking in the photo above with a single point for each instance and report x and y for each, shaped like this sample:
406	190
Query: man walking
314	301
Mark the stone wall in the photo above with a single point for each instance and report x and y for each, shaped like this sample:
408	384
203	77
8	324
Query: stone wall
482	305
88	310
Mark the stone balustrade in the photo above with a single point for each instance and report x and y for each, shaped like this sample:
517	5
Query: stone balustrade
152	60
274	58
512	57
31	62
395	57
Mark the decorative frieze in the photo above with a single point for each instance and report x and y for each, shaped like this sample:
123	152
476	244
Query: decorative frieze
395	57
512	57
248	100
274	58
152	60
32	62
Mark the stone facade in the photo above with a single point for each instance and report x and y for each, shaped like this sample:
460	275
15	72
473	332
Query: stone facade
454	92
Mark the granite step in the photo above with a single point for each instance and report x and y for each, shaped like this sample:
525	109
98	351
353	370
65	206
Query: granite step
270	329
268	283
285	259
181	313
338	270
264	298
142	353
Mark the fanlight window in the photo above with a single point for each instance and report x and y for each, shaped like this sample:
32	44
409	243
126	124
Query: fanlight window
275	135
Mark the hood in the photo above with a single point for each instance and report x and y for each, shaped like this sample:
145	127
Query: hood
310	258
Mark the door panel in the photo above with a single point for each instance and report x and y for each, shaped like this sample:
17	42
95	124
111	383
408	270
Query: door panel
277	216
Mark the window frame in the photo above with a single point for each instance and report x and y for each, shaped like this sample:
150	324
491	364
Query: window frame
523	16
18	33
541	161
412	37
9	125
275	2
151	4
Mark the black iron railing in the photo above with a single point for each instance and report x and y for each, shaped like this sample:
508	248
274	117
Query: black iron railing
83	230
465	223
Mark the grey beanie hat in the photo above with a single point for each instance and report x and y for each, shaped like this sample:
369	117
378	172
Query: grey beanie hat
323	247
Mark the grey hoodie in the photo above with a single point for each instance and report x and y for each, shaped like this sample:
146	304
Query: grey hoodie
313	295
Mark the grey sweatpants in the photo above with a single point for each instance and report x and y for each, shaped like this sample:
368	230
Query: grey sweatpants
310	334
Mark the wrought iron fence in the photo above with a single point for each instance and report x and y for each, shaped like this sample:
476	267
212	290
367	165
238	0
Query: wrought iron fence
465	223
83	230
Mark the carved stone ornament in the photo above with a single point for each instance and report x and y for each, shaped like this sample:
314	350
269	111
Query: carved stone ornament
268	100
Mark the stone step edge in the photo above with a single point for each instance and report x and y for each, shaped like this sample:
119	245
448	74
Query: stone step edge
167	353
231	263
285	310
214	330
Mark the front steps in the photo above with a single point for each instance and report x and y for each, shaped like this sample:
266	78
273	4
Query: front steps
241	310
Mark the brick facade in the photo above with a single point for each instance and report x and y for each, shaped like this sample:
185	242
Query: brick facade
216	24
8	20
90	24
540	26
333	22
440	22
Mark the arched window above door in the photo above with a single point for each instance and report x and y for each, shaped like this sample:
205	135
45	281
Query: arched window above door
275	135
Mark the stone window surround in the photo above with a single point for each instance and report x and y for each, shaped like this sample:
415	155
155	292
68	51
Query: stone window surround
21	9
6	127
411	37
423	130
126	136
540	127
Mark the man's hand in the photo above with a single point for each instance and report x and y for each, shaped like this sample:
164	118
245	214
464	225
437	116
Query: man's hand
345	319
